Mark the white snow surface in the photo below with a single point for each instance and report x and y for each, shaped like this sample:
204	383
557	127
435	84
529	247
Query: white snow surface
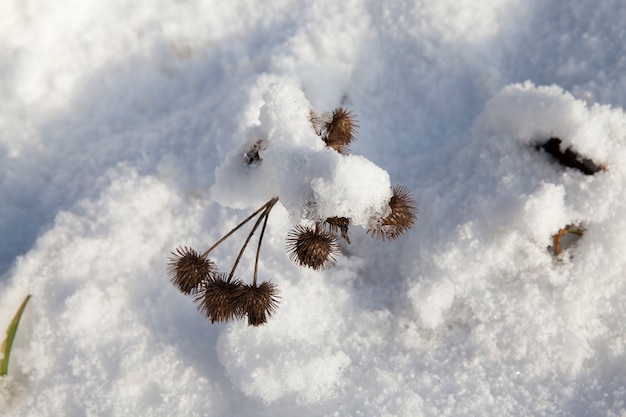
312	181
122	130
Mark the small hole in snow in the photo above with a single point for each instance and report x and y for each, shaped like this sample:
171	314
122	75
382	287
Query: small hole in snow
566	238
569	158
253	156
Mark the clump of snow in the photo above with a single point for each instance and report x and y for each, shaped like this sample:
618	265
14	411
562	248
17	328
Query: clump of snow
313	182
534	114
541	222
358	190
84	316
494	269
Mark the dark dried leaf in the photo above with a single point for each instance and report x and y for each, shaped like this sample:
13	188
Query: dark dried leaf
336	224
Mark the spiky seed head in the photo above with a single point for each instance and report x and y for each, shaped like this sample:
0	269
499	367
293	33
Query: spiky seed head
258	302
336	224
188	269
219	298
341	130
402	218
312	247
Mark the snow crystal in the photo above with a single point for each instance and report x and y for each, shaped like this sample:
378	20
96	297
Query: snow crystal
432	302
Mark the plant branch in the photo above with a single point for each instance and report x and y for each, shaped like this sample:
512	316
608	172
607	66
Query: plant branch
263	207
258	249
267	206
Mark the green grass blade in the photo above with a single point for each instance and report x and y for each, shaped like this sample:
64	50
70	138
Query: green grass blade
8	341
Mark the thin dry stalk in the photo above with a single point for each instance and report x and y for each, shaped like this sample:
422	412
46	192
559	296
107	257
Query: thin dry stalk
268	207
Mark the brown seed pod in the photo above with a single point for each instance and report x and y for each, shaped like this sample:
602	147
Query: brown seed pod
402	218
315	248
219	298
341	130
336	224
188	269
259	302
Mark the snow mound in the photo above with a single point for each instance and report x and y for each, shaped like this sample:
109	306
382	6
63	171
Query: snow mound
532	114
489	278
313	182
286	359
115	123
93	308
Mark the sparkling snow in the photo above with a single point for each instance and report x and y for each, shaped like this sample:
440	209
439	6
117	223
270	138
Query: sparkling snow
122	130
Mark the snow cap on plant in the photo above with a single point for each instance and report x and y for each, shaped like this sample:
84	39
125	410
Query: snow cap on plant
312	180
300	156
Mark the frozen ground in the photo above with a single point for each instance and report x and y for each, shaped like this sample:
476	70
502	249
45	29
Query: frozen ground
116	116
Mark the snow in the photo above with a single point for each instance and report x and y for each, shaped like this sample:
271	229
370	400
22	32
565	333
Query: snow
122	134
312	181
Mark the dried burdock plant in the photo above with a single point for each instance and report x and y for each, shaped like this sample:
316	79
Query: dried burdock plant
189	269
220	296
258	302
338	224
403	215
341	131
312	247
338	130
